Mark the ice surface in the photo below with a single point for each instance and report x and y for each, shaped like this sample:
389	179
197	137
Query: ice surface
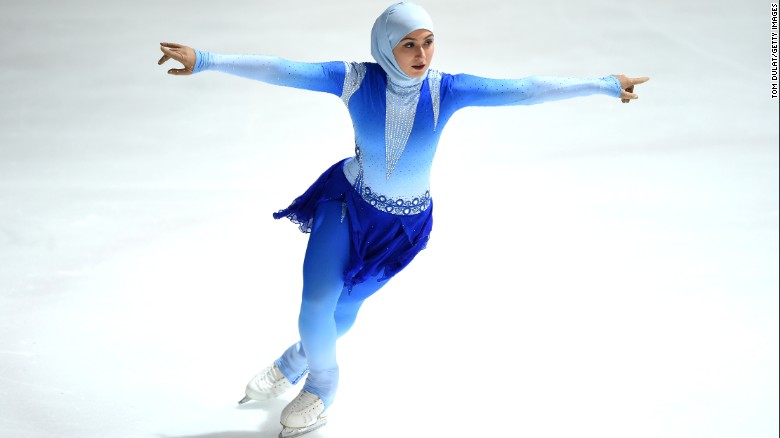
628	288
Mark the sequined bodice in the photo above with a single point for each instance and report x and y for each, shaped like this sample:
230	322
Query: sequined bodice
395	142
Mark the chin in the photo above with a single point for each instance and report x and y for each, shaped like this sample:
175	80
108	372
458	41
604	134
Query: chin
417	73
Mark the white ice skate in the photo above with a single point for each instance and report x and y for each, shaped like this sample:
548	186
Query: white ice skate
267	384
303	415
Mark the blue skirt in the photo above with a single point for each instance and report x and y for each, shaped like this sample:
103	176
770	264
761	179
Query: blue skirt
382	244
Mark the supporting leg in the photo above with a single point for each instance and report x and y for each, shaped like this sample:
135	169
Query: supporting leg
327	255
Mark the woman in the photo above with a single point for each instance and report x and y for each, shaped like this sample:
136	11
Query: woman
370	214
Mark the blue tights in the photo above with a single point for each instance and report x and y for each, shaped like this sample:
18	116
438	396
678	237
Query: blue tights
328	311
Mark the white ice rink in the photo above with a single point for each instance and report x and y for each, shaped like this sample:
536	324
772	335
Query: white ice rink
596	270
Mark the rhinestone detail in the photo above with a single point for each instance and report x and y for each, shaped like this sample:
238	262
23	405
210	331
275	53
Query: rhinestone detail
355	72
399	206
434	84
399	118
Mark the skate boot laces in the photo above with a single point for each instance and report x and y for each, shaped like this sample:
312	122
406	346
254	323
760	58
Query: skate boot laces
305	410
267	384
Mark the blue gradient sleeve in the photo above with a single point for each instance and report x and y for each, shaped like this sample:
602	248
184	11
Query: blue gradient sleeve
327	77
471	90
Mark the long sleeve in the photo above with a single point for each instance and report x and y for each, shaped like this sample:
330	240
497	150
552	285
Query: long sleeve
325	77
468	90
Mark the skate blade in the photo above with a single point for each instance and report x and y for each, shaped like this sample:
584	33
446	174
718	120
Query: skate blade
244	400
292	432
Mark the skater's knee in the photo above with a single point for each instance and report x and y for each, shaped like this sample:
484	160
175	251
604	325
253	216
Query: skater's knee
317	304
347	310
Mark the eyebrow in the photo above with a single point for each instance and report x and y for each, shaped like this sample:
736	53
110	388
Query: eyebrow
412	39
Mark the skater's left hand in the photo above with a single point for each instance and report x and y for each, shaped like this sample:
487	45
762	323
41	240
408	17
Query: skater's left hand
183	54
627	85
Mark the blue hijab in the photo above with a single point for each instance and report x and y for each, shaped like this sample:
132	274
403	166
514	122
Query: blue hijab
389	29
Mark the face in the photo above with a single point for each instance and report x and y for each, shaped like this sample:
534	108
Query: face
415	52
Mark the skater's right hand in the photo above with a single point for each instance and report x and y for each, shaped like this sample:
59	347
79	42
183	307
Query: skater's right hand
183	54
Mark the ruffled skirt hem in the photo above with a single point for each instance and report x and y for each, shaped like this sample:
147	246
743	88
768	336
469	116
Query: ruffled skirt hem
382	244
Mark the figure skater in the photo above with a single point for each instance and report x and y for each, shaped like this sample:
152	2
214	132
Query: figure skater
369	215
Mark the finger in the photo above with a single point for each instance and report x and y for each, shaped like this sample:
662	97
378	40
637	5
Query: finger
172	45
627	95
179	72
642	80
170	53
163	59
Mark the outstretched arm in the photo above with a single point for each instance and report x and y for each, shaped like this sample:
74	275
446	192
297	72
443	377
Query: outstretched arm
325	77
471	90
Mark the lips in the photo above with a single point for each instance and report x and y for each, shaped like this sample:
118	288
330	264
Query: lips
418	67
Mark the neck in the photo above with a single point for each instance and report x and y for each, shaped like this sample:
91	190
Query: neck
405	81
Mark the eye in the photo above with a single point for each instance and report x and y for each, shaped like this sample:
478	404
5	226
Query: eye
428	42
409	45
